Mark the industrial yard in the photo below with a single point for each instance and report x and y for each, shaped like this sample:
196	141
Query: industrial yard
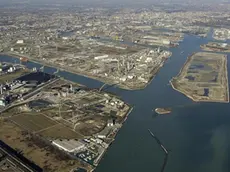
129	67
40	110
9	72
204	77
216	47
221	34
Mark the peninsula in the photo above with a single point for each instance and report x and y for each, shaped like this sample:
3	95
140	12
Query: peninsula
216	47
65	124
204	77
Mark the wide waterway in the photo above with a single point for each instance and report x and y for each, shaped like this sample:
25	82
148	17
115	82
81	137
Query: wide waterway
197	134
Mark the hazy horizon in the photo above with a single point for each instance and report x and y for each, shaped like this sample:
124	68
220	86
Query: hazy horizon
111	1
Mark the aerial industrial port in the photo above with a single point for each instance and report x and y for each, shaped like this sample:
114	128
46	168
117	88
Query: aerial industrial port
51	124
121	47
204	77
40	111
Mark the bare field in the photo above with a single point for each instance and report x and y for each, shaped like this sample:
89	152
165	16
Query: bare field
12	135
90	126
32	122
60	131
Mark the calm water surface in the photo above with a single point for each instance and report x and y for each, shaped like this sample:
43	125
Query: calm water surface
197	134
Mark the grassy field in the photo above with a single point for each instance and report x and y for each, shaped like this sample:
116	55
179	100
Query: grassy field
11	76
33	122
60	131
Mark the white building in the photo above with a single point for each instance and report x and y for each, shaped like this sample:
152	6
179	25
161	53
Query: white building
2	102
104	133
20	42
101	57
166	42
65	38
110	123
70	145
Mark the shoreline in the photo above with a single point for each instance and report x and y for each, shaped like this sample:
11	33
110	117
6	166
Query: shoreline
122	86
198	100
114	136
209	49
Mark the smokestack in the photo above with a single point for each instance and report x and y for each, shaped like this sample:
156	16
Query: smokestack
1	89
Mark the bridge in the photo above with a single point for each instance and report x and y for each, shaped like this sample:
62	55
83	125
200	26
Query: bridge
104	86
56	72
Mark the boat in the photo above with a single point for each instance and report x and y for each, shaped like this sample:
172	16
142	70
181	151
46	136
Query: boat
182	52
23	59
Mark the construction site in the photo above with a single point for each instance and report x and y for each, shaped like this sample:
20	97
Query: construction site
65	124
216	47
204	77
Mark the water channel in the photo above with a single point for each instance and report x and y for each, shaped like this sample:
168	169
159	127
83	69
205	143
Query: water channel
197	134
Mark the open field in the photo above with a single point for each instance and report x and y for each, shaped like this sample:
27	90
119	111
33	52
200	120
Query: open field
46	127
59	131
32	121
204	78
90	126
43	156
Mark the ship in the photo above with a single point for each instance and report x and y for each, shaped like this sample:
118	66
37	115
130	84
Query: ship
23	59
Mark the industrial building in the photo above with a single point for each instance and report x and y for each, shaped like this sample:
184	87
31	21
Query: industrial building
69	145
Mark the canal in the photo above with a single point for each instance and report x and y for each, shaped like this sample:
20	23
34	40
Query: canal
197	134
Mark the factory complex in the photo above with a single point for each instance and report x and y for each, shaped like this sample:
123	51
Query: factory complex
66	120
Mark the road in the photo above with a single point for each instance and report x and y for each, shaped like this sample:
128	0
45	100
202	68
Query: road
16	161
28	95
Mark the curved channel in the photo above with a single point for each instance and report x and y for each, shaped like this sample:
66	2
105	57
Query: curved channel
198	135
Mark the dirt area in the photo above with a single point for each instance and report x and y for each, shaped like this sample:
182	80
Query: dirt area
59	131
33	122
90	126
45	157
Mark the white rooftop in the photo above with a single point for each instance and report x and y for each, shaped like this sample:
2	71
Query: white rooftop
68	145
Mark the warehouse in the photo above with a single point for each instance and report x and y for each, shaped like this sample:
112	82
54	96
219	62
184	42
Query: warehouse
69	145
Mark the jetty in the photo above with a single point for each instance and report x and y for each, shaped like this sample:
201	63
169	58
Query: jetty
163	148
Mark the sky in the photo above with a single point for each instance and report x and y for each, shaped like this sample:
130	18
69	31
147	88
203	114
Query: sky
115	2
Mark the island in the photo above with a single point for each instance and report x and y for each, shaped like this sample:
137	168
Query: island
67	125
162	111
216	47
204	78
